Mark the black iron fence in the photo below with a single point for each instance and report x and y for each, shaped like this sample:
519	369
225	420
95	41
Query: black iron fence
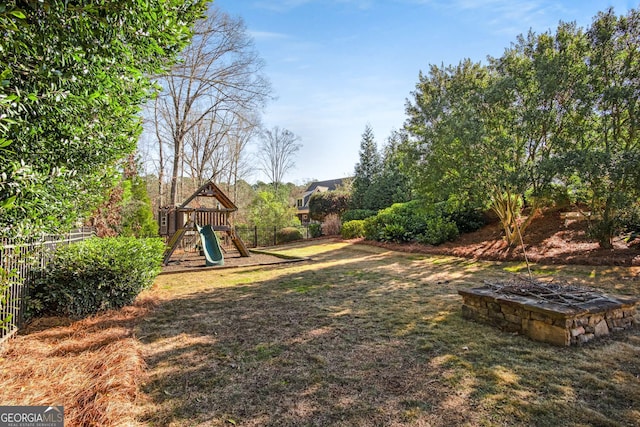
18	263
254	237
20	260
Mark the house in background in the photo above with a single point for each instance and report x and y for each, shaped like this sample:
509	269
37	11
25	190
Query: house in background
302	204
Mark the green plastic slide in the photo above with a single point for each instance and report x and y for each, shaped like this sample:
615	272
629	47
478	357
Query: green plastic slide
210	245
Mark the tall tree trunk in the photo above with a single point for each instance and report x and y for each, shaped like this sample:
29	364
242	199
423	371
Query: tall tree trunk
177	159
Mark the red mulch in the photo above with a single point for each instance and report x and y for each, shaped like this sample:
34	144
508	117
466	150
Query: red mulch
548	240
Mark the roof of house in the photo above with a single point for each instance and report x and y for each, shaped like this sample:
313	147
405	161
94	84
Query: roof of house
329	185
319	187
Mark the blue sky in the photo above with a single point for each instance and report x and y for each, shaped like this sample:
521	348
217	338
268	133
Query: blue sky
338	65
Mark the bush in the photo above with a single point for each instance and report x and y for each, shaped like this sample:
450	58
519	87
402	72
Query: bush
352	229
331	225
401	222
357	214
630	221
466	219
315	229
409	222
137	216
438	230
96	274
288	234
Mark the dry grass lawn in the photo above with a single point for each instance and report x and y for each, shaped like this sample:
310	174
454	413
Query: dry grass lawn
362	336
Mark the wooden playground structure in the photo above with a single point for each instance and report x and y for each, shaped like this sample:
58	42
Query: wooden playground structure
175	221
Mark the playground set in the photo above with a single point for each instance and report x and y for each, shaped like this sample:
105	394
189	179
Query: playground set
175	222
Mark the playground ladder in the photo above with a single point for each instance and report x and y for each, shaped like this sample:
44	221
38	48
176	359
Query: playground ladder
239	244
173	244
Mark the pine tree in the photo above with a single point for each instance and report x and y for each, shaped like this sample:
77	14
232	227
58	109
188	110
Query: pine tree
366	171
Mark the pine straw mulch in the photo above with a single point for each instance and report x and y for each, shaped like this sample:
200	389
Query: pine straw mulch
548	240
92	367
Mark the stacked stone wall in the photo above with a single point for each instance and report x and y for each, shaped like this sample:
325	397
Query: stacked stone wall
559	325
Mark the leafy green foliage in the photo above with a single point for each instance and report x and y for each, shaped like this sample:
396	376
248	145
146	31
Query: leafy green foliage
380	179
137	217
315	229
72	79
288	234
96	274
327	203
466	219
355	214
410	222
437	230
449	151
7	279
556	110
352	229
271	208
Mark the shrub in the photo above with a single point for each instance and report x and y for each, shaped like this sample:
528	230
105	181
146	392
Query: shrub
357	214
288	234
137	216
352	229
96	274
331	225
401	222
467	219
438	230
409	222
315	229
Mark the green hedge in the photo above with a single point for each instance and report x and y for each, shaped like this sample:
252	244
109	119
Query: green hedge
288	234
96	274
352	229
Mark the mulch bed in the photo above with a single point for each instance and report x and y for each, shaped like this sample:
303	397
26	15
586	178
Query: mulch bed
548	240
192	261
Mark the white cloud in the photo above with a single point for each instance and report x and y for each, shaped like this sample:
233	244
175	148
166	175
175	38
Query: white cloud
509	17
287	5
281	5
267	35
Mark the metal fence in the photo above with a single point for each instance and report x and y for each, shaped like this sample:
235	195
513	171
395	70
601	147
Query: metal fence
18	263
255	237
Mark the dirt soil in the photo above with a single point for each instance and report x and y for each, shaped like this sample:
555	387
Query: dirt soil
191	261
548	240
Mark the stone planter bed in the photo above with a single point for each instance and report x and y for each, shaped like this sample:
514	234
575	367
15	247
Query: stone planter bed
555	313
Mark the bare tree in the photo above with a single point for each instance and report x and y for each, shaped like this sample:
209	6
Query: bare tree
216	85
240	166
276	153
206	150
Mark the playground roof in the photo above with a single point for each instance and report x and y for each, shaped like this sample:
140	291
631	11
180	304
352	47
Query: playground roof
209	189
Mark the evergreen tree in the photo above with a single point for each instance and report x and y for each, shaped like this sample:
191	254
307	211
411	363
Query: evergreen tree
392	184
366	172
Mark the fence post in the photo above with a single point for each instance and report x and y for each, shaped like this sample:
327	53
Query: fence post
274	236
255	236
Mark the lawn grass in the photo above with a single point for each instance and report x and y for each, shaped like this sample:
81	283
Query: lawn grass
364	336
